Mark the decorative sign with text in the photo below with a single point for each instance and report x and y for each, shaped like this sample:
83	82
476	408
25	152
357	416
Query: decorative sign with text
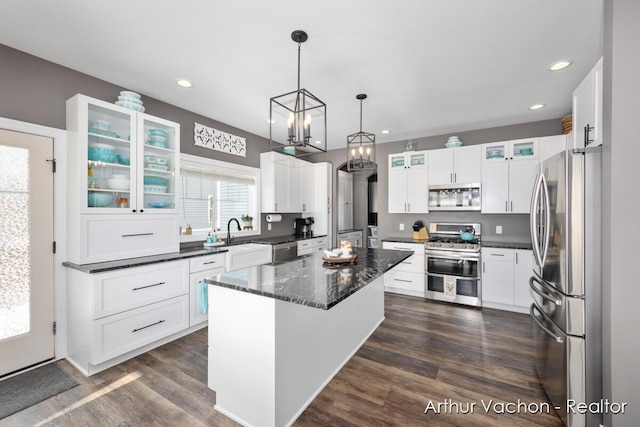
213	139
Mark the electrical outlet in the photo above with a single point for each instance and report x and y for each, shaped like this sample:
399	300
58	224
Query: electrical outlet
401	227
498	229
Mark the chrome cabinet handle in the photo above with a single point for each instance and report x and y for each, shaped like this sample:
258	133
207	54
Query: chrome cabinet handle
209	262
497	254
451	177
455	177
483	266
408	207
148	286
402	280
506	206
516	257
511	206
138	234
148	326
558	339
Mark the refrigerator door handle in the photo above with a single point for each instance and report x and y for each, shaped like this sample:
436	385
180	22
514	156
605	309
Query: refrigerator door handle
533	308
532	220
547	222
556	301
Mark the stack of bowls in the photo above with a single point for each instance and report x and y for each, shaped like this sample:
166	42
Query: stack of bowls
130	100
101	127
158	138
155	162
100	152
453	141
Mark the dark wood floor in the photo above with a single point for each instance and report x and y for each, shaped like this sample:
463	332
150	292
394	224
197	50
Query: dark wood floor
423	352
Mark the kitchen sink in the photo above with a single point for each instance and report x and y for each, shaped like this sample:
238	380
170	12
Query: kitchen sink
247	255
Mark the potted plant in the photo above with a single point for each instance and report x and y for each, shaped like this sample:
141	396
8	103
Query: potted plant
246	220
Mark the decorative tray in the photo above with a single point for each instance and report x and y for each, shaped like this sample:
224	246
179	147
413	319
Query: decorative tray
340	260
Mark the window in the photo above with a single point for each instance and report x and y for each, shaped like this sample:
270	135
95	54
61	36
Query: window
213	192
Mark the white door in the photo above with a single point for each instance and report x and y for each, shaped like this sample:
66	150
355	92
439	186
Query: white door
467	165
522	175
397	192
26	255
495	187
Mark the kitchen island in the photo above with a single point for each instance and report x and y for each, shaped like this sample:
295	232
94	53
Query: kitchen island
278	333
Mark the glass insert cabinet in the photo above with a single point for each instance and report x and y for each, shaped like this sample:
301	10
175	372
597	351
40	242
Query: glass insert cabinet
123	181
131	159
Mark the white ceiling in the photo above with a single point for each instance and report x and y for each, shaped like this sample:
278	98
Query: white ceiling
429	67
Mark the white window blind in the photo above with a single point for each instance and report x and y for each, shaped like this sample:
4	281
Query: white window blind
212	195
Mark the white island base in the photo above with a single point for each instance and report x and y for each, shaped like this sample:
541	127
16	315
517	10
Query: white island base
268	358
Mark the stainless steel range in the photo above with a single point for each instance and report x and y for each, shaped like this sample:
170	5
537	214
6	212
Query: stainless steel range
452	263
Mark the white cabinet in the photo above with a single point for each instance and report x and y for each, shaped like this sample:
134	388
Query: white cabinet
200	268
549	146
587	109
407	277
355	237
458	165
505	278
275	182
116	315
308	246
509	169
408	182
287	184
497	276
522	271
122	165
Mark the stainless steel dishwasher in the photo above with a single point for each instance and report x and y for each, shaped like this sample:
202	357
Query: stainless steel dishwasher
285	251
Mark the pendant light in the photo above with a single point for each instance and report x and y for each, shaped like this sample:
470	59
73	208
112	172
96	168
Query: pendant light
361	147
298	119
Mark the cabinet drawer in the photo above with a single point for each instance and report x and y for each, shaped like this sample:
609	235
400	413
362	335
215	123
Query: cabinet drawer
418	248
207	262
305	247
497	254
406	281
110	238
118	334
130	288
413	264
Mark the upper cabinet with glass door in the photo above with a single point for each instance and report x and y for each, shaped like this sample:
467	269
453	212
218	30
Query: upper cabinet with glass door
124	161
519	149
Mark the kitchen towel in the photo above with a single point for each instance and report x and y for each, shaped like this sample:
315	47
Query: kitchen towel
450	283
274	218
204	298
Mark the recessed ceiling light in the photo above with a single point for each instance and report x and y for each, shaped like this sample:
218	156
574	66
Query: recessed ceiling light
560	65
385	131
536	106
271	122
183	83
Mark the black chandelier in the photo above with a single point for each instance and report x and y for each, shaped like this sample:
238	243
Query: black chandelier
299	110
361	153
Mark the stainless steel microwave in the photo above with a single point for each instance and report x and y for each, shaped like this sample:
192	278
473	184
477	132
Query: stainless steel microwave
455	197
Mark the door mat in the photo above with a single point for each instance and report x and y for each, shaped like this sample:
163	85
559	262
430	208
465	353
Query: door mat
24	390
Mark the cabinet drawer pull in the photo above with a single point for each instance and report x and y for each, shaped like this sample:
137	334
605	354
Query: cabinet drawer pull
138	234
497	254
148	286
402	280
209	262
148	326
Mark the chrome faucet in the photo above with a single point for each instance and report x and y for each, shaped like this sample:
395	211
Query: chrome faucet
229	229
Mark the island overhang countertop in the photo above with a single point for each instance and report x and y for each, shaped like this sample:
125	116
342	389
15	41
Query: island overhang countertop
309	280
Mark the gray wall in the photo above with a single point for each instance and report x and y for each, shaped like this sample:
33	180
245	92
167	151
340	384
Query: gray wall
621	228
515	228
35	91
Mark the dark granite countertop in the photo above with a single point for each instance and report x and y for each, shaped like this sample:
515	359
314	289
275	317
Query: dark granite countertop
190	251
309	281
101	267
507	245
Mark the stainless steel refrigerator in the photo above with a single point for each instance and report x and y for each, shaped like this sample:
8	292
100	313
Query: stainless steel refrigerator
566	282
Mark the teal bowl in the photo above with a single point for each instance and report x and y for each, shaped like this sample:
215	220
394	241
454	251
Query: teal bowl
99	200
154	180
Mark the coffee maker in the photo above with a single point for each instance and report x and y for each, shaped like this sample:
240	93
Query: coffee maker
303	227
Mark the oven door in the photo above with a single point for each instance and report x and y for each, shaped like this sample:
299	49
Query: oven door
463	266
